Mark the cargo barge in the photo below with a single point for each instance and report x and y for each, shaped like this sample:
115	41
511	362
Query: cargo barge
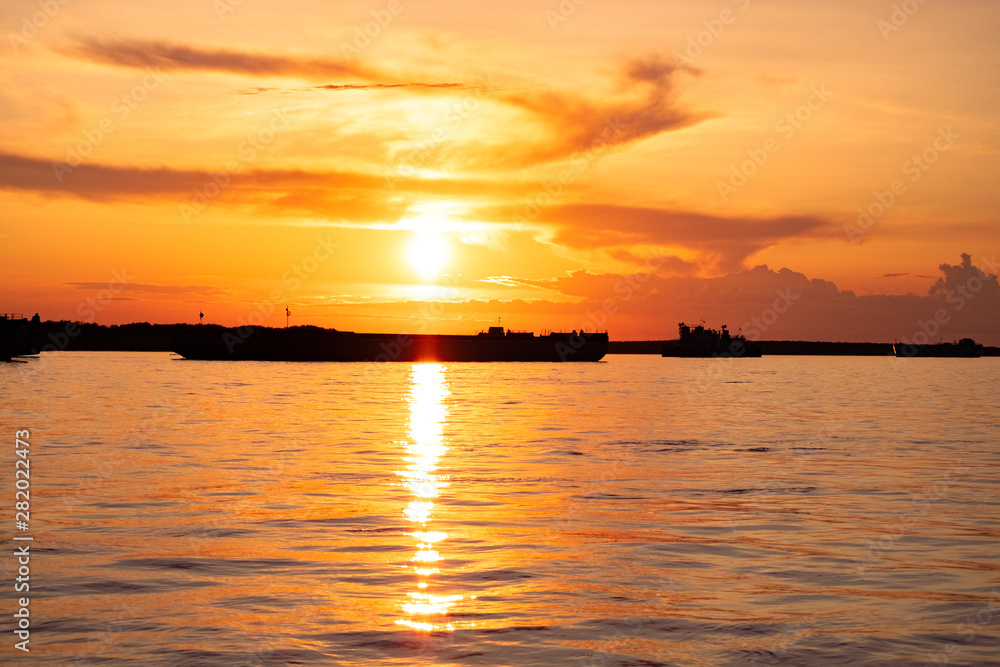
965	348
308	343
19	336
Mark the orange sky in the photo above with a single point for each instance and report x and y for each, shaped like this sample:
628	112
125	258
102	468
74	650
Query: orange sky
430	166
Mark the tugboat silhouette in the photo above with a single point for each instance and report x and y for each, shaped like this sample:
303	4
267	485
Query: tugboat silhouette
702	342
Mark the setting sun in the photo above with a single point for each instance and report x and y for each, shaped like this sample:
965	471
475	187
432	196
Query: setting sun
428	253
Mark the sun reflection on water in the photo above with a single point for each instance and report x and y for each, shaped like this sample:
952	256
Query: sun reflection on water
425	609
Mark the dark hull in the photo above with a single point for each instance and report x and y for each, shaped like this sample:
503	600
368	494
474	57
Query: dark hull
18	337
943	350
314	344
699	342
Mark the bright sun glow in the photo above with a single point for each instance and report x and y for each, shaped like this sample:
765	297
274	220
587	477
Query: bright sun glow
428	254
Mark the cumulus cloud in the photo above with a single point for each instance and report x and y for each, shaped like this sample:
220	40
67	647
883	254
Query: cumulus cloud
965	277
767	304
785	304
657	263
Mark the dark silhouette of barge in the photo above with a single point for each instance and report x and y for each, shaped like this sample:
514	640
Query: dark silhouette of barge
19	336
702	342
965	348
308	343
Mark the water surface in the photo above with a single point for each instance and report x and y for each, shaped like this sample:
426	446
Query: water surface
637	511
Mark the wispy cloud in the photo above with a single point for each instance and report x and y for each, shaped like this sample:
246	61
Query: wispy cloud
512	281
629	234
722	242
640	102
172	290
517	126
175	57
301	189
347	87
327	197
643	103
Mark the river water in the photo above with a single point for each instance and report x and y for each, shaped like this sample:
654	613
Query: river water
636	511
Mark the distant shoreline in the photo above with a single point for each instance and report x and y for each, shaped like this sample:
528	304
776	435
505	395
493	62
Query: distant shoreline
783	347
145	337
